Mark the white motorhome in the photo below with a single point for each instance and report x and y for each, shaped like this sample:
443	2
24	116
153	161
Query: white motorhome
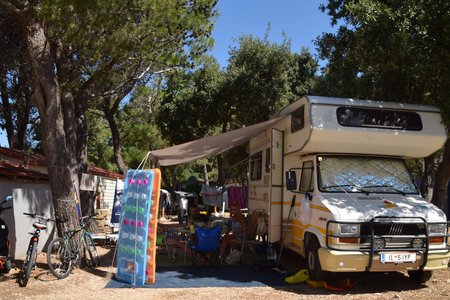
357	208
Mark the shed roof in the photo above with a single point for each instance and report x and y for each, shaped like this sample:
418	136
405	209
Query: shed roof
18	171
33	159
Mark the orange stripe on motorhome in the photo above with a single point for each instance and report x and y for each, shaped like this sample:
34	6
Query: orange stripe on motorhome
318	207
289	203
304	226
323	208
298	231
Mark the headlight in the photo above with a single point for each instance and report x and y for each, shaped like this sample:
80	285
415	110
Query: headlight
350	229
436	228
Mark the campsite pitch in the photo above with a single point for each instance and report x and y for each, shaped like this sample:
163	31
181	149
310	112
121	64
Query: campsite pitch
92	284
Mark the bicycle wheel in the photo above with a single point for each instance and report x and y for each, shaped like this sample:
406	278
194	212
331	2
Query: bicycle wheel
59	259
90	252
28	264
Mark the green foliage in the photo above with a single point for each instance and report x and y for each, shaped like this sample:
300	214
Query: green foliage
139	131
392	50
17	114
235	164
257	81
100	146
187	108
261	78
123	32
102	50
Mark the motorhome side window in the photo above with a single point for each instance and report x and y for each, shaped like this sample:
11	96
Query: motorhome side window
306	184
267	162
298	119
256	166
376	118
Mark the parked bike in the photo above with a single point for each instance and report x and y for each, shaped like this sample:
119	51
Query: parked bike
63	253
30	259
5	260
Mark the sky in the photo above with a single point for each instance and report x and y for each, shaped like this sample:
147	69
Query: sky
301	21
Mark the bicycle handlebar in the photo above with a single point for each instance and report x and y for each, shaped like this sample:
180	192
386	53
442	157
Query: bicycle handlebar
41	217
87	217
83	218
80	220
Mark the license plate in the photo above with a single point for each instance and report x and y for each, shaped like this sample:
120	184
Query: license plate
397	257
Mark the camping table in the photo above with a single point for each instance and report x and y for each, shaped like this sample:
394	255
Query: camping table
176	237
112	238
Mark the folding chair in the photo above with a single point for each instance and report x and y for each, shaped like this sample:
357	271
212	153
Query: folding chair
206	245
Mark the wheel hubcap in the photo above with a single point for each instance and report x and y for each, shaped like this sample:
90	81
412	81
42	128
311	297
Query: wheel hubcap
311	260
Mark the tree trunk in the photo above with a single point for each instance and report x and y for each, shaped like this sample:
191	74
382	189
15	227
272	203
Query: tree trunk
219	157
116	142
205	174
426	184
442	178
23	99
7	114
220	173
82	134
61	162
166	179
173	177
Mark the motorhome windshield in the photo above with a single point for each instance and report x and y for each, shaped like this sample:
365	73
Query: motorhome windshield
364	175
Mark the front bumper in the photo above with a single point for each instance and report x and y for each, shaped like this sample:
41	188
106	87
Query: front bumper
361	250
356	261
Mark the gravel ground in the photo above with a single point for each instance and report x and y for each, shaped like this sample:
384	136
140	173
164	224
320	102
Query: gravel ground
89	284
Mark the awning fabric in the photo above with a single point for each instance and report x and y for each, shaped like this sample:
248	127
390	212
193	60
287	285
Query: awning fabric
208	146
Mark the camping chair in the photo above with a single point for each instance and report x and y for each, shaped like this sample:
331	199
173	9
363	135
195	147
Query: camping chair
206	245
256	230
236	255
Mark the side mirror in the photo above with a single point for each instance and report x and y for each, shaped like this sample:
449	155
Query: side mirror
291	180
9	198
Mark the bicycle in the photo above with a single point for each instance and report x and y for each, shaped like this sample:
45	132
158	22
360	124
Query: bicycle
63	253
30	260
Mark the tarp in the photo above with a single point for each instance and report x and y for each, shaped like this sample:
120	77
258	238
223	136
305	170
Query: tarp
208	146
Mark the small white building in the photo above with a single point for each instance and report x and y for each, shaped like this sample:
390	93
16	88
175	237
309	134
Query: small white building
24	176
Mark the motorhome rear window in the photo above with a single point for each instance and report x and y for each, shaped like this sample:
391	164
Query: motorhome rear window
376	118
298	119
267	160
256	166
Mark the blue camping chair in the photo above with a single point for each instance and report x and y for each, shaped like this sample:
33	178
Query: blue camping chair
206	245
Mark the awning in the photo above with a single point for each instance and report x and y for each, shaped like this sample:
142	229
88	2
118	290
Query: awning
208	146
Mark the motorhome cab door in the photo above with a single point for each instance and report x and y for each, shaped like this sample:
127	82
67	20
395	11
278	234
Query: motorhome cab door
301	184
306	185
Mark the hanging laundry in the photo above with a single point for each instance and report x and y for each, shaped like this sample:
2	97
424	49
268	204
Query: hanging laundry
212	195
238	196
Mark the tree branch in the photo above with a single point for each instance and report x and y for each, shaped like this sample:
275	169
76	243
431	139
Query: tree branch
88	83
11	8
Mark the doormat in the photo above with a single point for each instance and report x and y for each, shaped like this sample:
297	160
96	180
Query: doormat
208	276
